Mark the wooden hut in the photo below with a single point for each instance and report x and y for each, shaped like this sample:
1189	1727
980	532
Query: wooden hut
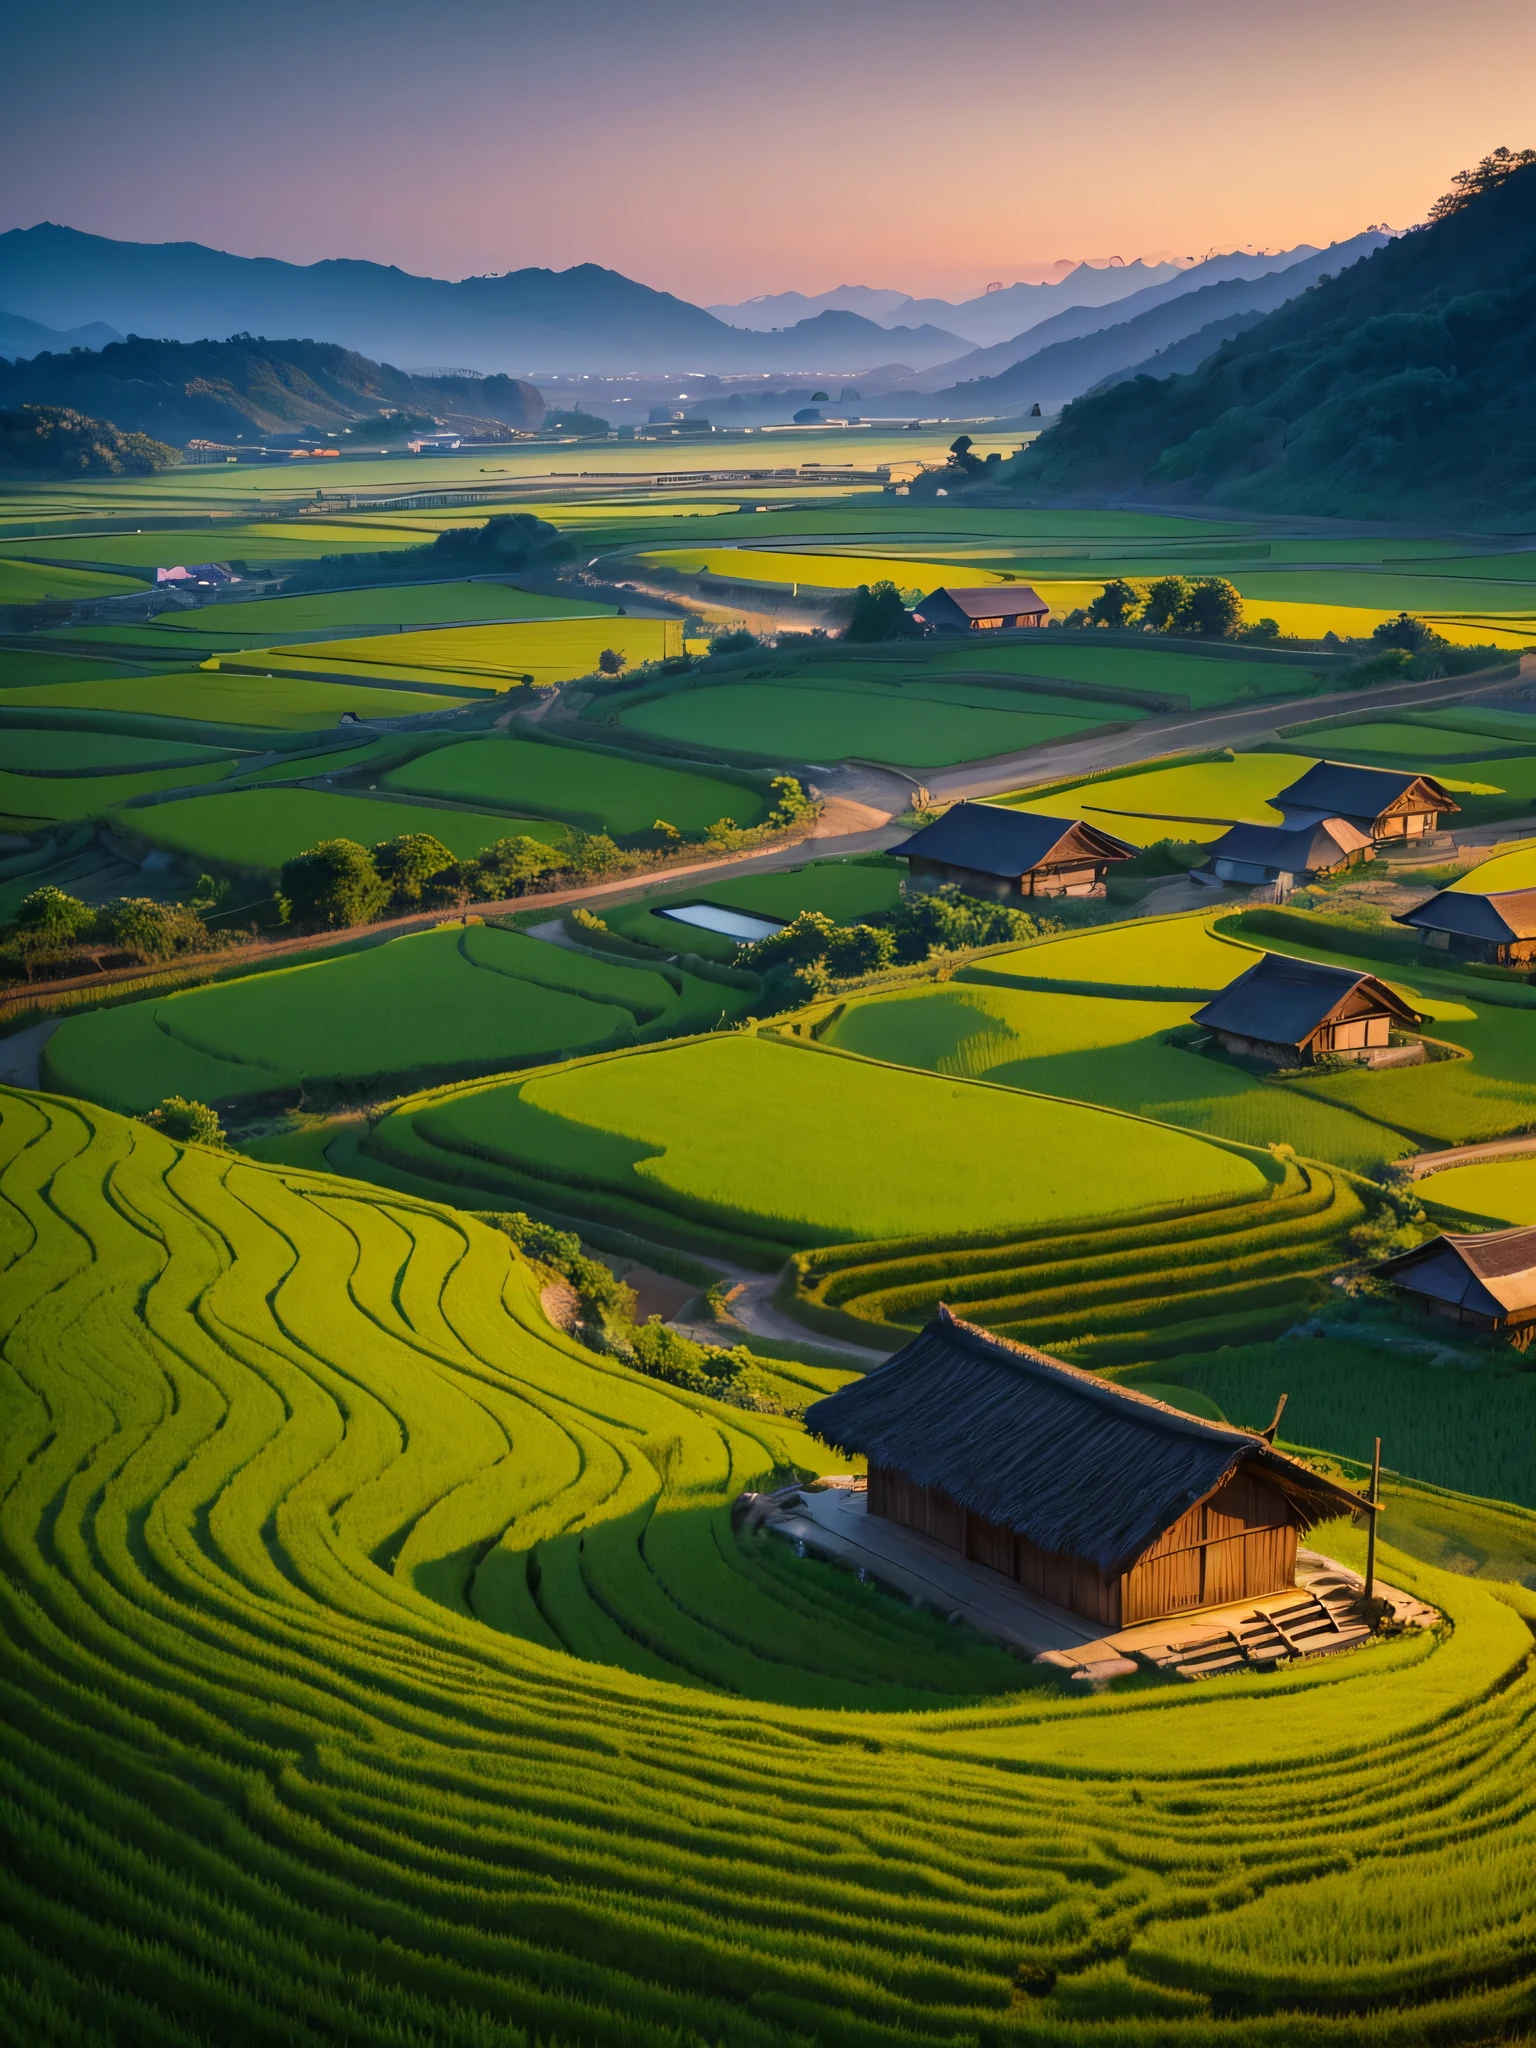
990	850
1487	1279
947	610
1086	1493
1292	1012
1273	853
1384	803
1499	929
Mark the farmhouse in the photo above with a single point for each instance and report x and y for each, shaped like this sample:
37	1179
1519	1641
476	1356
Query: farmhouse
1487	1280
990	850
1293	1012
1384	803
1275	853
1499	929
977	611
1087	1494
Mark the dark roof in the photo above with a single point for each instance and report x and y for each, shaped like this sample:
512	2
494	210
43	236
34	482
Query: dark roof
998	841
1066	1459
1492	1271
1283	1000
1509	915
992	601
1342	789
1302	851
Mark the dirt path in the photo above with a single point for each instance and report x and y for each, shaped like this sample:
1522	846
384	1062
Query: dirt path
21	1053
1422	1164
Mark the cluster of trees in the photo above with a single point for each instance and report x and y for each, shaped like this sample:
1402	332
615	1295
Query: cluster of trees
51	925
507	541
1207	606
56	441
805	958
879	613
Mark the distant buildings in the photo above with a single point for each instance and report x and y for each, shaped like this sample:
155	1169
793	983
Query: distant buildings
947	610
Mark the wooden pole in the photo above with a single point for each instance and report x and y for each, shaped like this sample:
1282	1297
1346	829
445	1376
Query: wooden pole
1375	1504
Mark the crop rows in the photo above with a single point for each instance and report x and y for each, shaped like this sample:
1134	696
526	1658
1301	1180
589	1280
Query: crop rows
1132	1290
378	1666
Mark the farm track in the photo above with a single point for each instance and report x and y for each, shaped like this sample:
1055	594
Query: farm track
381	1667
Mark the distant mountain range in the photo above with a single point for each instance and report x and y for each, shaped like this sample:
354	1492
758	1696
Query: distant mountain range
1403	385
20	337
1060	360
582	319
227	391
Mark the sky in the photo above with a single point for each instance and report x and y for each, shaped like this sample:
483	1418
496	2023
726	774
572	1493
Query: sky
723	150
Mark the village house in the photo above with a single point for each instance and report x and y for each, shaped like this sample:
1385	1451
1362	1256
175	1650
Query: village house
1294	1012
947	610
1499	929
990	850
1274	853
1087	1494
1487	1279
1383	803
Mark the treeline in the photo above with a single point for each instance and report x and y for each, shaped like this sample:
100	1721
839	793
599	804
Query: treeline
508	541
806	958
54	441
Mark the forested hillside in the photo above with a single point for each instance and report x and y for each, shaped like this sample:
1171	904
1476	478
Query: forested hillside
1406	384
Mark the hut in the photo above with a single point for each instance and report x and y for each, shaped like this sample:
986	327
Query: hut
1499	929
1086	1493
1293	1012
1487	1279
1383	803
947	610
1274	853
990	850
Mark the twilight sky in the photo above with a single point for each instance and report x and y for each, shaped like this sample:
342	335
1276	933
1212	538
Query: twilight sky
722	149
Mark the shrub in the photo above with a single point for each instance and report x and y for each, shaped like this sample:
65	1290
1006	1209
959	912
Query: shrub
186	1121
1410	634
738	642
49	920
612	661
506	867
150	930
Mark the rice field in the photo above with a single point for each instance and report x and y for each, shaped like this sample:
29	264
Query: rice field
408	604
783	1142
1498	1191
551	652
64	798
1511	867
458	1000
1160	803
256	830
1152	958
597	791
821	571
276	703
381	1664
23	582
45	751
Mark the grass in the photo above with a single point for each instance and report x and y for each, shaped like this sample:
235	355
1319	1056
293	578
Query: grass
256	830
875	722
214	697
1501	1191
409	604
801	1146
460	999
550	653
382	1666
598	791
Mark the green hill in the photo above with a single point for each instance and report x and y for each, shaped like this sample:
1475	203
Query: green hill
1405	384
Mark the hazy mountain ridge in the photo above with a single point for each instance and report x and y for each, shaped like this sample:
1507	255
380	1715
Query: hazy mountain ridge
1406	383
19	337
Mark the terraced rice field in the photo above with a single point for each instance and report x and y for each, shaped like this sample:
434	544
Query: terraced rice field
763	1145
1498	1192
409	604
33	582
822	571
549	653
218	697
1195	801
63	798
381	1666
458	1000
1204	680
256	830
600	792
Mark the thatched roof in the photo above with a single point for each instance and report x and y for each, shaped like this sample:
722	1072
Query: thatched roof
1343	789
995	840
1283	1001
1499	919
1492	1272
1070	1461
1303	851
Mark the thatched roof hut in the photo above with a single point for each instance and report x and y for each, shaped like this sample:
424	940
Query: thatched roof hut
1292	1012
1487	1279
993	850
1386	803
1500	928
1087	1493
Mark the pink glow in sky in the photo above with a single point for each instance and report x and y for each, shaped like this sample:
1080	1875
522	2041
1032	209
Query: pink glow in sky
721	150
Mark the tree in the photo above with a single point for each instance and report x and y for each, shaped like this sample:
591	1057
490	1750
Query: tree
879	614
590	854
1211	608
333	885
1483	177
1115	603
738	642
186	1121
510	864
54	440
1166	598
790	802
48	920
151	930
407	864
613	661
1261	630
858	949
1411	634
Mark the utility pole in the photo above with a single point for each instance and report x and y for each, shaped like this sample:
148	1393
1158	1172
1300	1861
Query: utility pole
1374	1504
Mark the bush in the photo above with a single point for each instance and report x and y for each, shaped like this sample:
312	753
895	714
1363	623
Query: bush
187	1122
739	642
505	868
49	920
1410	634
150	930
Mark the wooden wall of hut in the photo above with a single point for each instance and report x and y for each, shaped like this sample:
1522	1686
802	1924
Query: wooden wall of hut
1237	1545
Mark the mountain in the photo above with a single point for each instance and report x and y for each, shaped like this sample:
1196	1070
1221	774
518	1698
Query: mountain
583	319
1180	357
771	310
1051	375
20	337
848	341
997	316
1405	385
180	391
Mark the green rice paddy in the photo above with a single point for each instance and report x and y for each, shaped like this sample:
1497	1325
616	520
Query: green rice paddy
1513	867
219	697
550	652
409	604
1196	801
66	797
1497	1191
598	791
